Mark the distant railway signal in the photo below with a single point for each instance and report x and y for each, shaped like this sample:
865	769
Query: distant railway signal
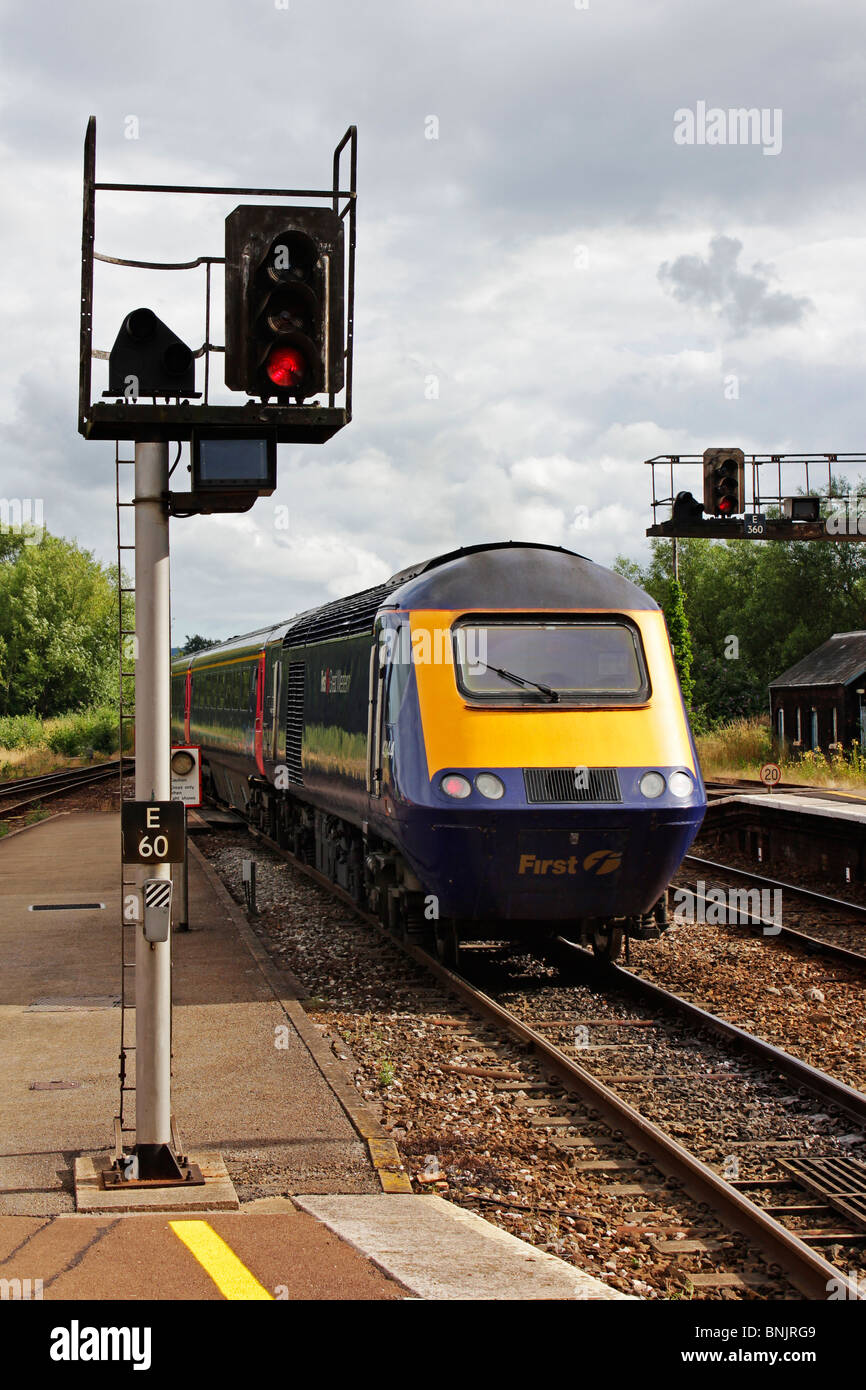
687	508
724	481
148	359
783	504
284	302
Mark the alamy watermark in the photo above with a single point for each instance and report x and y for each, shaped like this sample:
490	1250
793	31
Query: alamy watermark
20	1290
739	125
721	907
849	519
433	647
23	516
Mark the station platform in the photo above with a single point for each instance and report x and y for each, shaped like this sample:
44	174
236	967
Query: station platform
314	1202
797	804
785	833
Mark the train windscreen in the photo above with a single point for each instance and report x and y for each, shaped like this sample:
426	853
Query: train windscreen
557	661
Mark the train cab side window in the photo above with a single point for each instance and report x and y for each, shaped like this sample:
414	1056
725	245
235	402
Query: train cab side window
397	674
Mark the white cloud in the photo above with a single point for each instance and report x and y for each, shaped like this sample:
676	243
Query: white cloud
557	373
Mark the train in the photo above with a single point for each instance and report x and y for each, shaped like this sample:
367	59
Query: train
492	745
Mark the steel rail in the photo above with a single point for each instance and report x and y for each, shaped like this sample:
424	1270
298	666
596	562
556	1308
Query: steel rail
813	944
55	783
826	901
848	1098
807	1270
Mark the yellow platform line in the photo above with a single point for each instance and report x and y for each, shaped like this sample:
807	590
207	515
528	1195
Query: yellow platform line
219	1261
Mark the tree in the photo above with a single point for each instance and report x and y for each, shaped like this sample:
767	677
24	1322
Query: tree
197	644
754	608
58	628
681	641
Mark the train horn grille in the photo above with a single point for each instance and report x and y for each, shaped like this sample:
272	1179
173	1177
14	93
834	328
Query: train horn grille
565	784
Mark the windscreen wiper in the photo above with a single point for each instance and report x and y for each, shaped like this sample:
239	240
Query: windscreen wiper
522	680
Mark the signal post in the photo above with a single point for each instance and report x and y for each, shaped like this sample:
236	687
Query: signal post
152	783
289	291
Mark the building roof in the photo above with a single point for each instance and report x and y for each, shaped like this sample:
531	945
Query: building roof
838	661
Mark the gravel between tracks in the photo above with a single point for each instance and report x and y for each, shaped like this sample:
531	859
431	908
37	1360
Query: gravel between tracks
408	1040
809	1005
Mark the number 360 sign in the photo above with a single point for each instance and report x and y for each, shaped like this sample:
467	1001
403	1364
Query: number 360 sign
152	832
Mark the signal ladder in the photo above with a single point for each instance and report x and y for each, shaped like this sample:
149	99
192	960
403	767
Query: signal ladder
126	709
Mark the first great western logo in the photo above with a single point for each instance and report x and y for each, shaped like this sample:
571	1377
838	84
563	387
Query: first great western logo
600	862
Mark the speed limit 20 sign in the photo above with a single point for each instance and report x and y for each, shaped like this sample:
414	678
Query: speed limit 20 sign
152	832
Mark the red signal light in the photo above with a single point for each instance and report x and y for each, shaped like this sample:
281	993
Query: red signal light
726	504
286	367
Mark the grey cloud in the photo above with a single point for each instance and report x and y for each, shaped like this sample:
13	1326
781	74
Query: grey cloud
556	128
741	298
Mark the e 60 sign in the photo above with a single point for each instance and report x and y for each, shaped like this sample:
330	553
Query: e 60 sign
152	832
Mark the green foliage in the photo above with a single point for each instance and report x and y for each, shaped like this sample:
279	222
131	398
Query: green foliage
72	735
21	731
75	734
58	628
739	748
197	644
387	1073
778	600
681	641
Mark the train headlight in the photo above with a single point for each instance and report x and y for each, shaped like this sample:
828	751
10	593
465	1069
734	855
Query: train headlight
652	784
681	784
453	784
489	785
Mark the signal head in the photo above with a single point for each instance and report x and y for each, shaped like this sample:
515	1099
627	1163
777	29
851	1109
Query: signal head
284	302
288	369
724	482
148	359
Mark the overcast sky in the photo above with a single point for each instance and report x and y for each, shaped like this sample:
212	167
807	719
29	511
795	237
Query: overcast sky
587	288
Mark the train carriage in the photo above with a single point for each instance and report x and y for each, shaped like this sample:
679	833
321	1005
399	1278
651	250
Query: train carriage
491	744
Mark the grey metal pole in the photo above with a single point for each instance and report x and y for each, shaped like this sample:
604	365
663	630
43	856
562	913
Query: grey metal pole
182	922
152	783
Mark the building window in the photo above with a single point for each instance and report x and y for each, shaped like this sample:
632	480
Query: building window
835	725
814	729
781	723
799	725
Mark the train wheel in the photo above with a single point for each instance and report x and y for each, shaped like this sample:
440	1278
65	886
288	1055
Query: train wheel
447	944
607	945
416	930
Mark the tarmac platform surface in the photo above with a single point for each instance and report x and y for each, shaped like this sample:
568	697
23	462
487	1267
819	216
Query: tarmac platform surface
268	1110
286	1120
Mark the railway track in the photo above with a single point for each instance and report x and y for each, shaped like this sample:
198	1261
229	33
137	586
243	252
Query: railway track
39	789
816	945
582	1109
684	1075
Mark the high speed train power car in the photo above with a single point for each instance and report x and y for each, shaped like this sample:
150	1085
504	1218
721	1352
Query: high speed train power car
492	744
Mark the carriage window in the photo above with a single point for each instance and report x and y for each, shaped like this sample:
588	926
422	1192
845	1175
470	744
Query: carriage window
558	661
